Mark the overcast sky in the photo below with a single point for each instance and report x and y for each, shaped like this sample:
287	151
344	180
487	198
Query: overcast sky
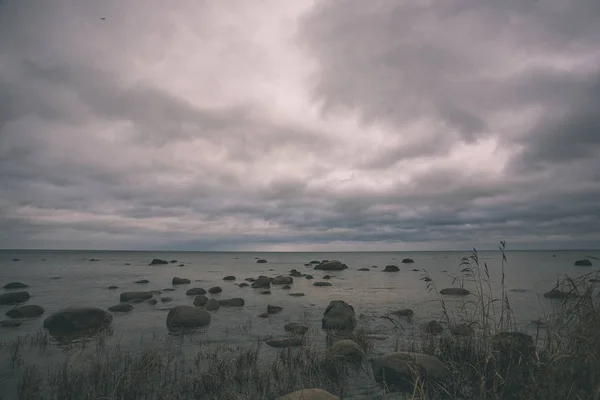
299	124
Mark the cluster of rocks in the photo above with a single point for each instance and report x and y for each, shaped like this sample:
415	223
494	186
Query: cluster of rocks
16	299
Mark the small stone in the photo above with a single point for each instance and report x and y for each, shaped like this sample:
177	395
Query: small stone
229	278
215	290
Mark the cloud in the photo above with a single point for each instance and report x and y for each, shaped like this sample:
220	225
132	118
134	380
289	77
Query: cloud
330	124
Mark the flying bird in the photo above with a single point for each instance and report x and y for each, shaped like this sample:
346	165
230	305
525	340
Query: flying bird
103	18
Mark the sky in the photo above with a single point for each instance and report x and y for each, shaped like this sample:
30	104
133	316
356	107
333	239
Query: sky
299	125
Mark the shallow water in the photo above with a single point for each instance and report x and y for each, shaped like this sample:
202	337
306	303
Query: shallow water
58	279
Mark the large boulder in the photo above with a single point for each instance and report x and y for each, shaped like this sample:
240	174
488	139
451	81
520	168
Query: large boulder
262	282
78	320
235	302
28	311
333	265
195	291
180	281
391	268
158	261
345	350
15	285
14	298
282	280
284	342
187	317
583	263
455	291
339	315
309	394
400	367
121	307
131	296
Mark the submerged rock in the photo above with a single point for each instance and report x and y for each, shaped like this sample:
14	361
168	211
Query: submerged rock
455	291
327	276
111	287
282	280
187	317
274	309
284	342
333	265
296	328
121	307
200	300
180	281
130	296
78	320
583	263
212	305
405	312
195	291
433	328
158	261
14	298
309	276
234	302
143	281
15	285
28	311
339	315
10	323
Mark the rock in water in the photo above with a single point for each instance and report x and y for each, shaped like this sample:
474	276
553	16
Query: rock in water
262	282
261	261
455	291
391	268
121	307
158	261
180	281
187	317
200	300
215	290
78	320
129	296
339	315
212	305
10	323
309	394
583	263
235	302
322	284
195	292
433	328
229	278
274	309
28	311
296	328
14	298
333	265
143	281
15	285
282	280
408	261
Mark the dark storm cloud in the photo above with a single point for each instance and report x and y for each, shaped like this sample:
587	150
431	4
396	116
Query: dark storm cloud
445	123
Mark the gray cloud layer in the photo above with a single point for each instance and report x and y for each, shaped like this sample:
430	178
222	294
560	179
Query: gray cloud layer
333	124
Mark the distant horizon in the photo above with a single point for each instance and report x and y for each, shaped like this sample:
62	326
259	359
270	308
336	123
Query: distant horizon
508	250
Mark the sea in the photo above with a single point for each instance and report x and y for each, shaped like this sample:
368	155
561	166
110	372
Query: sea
59	279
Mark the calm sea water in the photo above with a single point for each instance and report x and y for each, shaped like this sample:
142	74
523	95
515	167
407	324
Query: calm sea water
58	279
